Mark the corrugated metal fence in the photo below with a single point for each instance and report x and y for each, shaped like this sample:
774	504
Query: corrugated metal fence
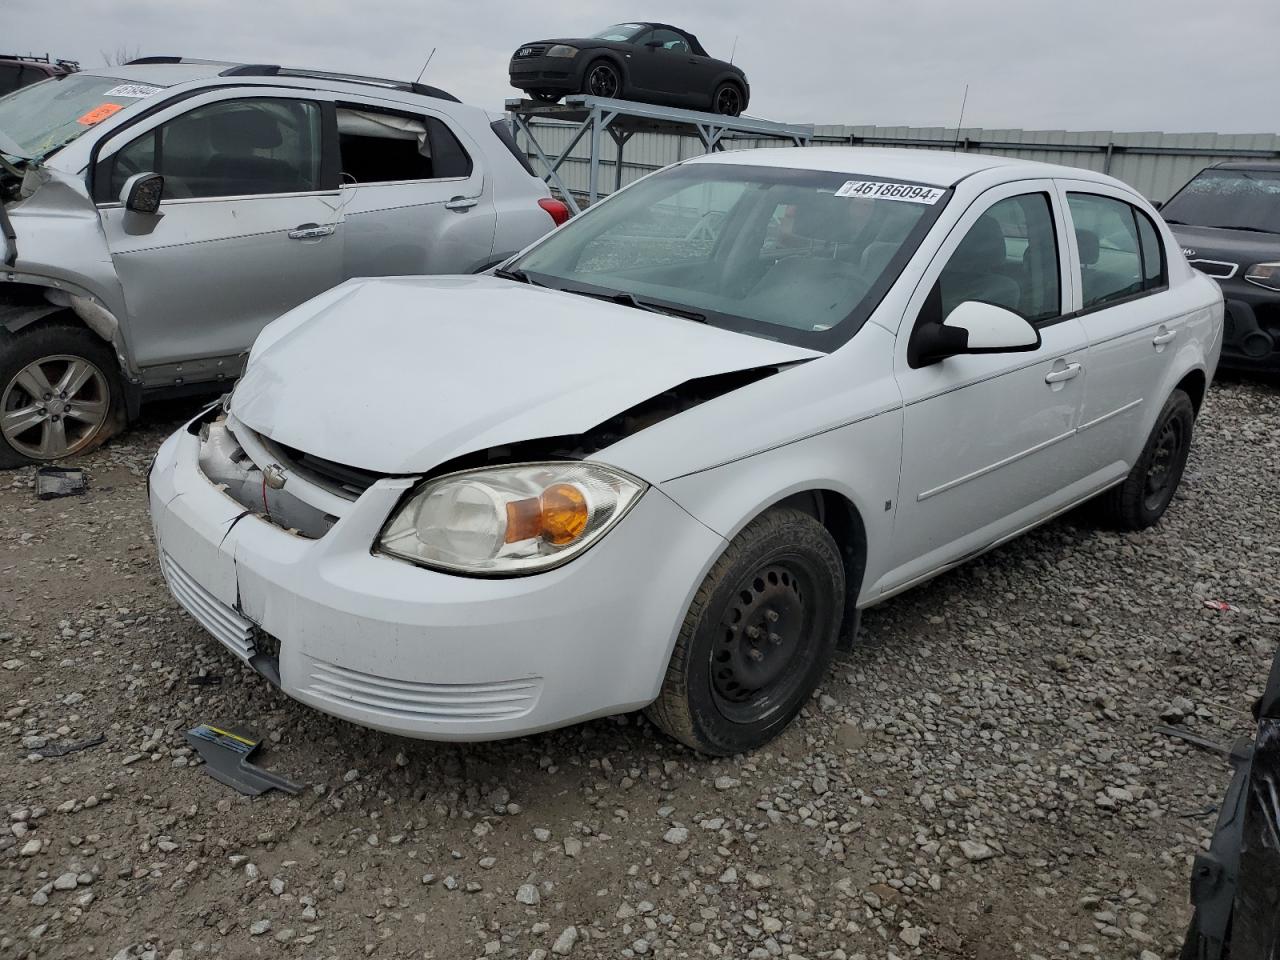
1155	163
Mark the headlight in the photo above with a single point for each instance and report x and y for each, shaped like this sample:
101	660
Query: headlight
1264	275
509	520
562	50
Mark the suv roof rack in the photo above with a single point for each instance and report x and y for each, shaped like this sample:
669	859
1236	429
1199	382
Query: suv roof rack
274	70
71	65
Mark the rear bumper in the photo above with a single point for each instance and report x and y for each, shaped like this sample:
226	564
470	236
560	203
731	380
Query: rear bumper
415	652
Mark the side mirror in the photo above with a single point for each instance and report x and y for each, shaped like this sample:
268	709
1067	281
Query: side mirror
142	193
972	327
1157	204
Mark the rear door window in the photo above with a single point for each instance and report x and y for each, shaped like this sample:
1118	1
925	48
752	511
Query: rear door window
379	146
1120	251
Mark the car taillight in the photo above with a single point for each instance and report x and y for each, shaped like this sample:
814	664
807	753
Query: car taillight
559	210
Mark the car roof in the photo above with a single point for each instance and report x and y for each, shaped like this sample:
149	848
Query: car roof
923	166
160	74
170	71
1261	165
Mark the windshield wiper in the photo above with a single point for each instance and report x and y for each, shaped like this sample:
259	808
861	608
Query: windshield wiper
631	300
519	276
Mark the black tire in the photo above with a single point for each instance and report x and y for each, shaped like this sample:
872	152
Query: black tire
1141	500
728	100
544	96
757	639
55	345
602	79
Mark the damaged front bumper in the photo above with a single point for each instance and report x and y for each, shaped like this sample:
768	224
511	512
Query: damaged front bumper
416	652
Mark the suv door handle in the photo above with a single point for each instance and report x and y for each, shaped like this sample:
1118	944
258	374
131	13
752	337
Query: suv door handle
311	231
461	203
1069	372
1163	337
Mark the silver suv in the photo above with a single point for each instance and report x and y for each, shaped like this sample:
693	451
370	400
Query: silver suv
157	215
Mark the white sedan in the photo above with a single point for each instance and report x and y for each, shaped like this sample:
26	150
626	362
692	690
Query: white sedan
663	458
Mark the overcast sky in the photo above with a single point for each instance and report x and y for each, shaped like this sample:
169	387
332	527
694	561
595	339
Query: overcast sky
1172	65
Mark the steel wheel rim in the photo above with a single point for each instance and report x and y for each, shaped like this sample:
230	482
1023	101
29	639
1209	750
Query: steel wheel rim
603	81
54	407
727	102
758	659
1160	471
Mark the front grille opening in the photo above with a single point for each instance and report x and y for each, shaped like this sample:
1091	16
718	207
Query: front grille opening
338	478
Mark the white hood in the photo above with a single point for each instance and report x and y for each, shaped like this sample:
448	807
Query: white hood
399	375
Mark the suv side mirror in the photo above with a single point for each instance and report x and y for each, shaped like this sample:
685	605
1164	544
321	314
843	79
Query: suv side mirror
1157	204
142	193
972	327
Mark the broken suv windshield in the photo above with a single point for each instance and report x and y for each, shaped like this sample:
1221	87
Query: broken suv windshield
1234	199
46	116
801	256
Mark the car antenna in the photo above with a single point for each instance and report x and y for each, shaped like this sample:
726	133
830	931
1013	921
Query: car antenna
425	65
735	48
960	122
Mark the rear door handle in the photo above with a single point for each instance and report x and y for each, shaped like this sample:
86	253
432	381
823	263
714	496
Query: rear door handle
461	203
311	231
1069	372
1163	337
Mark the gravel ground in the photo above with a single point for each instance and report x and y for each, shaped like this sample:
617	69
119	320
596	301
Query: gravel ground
980	778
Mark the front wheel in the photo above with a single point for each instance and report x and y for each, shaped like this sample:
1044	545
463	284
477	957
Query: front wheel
727	100
544	96
1141	500
757	638
60	394
602	80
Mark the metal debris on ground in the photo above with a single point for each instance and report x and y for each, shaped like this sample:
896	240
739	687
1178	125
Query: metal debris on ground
54	482
75	746
226	756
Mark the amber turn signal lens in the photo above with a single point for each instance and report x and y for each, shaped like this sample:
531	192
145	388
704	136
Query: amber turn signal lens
559	516
564	513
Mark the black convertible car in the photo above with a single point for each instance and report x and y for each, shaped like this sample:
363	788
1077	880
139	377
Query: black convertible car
653	62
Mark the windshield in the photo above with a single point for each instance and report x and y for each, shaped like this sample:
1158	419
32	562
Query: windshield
1239	199
619	32
45	116
800	256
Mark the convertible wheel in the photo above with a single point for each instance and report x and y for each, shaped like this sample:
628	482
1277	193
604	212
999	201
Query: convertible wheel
728	100
1146	493
757	638
59	394
602	80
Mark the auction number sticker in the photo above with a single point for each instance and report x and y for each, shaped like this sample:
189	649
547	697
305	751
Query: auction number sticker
877	190
134	91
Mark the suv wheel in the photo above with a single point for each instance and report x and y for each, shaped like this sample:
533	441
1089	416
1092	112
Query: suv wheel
1141	500
60	394
757	638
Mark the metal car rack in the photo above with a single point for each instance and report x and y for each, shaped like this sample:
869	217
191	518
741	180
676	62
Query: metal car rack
622	119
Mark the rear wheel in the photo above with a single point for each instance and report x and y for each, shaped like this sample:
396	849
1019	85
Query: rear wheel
60	394
757	638
728	100
602	80
1141	500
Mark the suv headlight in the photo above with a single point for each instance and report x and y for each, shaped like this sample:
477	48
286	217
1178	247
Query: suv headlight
509	520
1264	275
562	50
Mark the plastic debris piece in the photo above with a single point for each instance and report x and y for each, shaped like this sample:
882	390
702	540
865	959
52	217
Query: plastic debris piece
54	482
226	756
1220	605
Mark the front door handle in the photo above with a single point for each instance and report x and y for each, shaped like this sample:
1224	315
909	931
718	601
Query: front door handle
311	231
1069	372
1163	337
461	203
